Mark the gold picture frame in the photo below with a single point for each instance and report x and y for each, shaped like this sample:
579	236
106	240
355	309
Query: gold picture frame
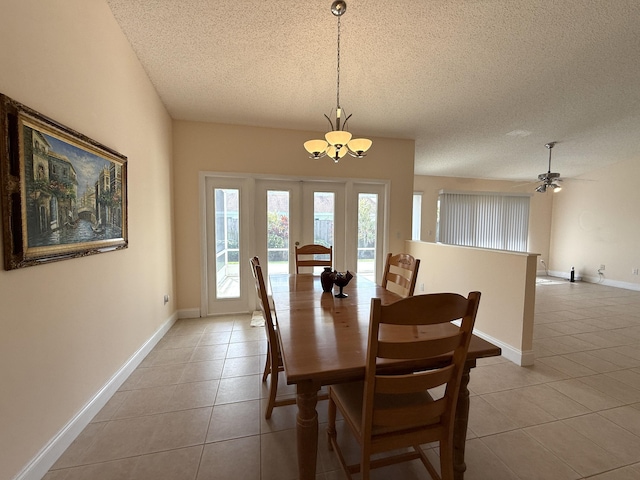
63	195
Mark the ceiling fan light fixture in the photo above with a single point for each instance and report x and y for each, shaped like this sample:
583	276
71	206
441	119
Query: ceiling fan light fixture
550	179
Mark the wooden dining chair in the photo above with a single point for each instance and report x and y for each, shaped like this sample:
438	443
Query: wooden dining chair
273	364
306	256
401	270
395	408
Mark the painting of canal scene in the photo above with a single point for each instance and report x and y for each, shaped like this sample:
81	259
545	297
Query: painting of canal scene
72	193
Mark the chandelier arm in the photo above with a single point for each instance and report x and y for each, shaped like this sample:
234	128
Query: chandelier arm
329	120
344	124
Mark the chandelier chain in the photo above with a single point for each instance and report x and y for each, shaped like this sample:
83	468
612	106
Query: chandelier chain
338	69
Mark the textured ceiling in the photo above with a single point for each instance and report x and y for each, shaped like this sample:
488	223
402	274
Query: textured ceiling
481	85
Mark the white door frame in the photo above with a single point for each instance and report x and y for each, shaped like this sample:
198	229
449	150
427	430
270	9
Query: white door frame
382	240
207	224
249	226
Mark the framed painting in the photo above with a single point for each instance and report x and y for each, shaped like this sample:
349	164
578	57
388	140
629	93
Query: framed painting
63	195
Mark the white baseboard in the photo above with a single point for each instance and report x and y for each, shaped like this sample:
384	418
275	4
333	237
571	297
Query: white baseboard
565	275
189	313
600	281
613	283
44	460
519	357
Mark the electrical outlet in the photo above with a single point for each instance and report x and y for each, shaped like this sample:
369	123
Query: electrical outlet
601	267
166	299
634	271
422	285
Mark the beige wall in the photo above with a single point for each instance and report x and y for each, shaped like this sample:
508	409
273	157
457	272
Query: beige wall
67	327
539	213
506	312
227	148
596	220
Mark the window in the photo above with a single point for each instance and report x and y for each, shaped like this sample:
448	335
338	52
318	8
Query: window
416	219
484	219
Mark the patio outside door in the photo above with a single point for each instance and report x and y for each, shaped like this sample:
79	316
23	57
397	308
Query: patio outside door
227	232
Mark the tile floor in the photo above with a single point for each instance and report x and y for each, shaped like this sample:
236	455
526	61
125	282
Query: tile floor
193	409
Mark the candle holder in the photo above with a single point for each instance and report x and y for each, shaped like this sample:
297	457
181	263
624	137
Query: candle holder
341	280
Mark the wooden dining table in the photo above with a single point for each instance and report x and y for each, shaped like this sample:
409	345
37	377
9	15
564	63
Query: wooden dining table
324	342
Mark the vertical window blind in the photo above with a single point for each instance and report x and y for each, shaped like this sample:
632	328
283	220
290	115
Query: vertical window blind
484	219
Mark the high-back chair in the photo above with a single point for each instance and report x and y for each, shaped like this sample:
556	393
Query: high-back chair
273	364
401	270
397	407
306	256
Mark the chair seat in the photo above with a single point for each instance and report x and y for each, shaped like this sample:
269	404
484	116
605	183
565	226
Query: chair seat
350	397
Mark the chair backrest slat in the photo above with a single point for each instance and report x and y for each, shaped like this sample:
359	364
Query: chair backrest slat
434	347
429	310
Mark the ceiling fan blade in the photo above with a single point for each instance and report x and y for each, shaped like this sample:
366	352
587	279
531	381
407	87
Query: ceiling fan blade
525	184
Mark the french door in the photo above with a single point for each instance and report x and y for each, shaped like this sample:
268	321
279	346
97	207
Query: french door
290	213
226	245
247	216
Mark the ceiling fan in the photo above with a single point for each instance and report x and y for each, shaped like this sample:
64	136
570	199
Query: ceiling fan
549	180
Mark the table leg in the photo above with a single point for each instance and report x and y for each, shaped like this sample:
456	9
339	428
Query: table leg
307	430
460	426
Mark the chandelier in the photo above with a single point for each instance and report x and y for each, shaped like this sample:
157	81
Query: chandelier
338	141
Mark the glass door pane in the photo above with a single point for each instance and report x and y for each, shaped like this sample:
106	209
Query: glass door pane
227	242
278	231
367	234
324	218
323	221
277	211
226	280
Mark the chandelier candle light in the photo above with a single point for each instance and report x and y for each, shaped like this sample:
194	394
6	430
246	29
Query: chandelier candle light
338	141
